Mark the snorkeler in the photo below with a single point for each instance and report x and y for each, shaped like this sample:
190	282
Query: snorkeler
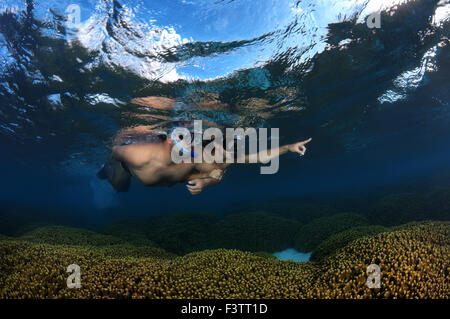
145	154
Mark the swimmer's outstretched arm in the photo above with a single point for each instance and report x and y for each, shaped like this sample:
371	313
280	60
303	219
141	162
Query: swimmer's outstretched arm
197	182
266	156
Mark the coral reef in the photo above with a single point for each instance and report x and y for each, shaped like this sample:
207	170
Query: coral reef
437	204
292	209
414	262
336	241
12	221
254	231
39	271
105	244
311	235
181	233
17	219
189	232
264	254
130	250
398	209
304	213
61	235
136	259
131	230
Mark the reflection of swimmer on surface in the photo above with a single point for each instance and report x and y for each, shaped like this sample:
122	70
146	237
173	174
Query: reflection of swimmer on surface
145	153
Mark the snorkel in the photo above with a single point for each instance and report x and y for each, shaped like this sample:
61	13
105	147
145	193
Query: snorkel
181	147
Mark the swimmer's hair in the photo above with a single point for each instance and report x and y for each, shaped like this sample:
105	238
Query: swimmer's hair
162	136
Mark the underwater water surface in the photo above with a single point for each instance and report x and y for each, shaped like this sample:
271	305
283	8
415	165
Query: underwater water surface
373	98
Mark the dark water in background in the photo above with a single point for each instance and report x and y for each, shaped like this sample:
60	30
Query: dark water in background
375	101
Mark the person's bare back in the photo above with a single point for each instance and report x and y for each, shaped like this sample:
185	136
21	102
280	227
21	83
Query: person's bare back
146	155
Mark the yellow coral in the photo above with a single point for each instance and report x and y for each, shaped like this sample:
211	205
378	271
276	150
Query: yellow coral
414	262
336	241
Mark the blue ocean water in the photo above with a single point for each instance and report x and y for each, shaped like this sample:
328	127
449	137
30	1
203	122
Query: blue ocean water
374	100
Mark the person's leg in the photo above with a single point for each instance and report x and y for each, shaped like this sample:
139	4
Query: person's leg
118	176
